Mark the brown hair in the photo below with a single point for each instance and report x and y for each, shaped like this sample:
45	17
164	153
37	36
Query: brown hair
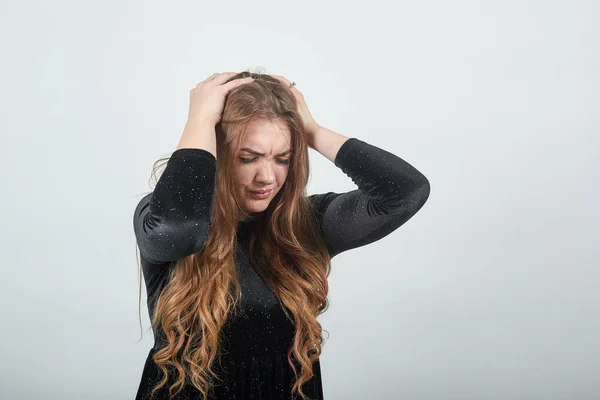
203	288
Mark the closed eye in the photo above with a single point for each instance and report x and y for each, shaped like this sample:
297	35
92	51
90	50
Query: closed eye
249	160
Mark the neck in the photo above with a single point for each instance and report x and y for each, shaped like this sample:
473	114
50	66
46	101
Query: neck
245	218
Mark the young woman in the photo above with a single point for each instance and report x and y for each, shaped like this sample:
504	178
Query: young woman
235	255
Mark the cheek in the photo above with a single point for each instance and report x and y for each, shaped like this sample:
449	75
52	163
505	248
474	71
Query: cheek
243	176
239	183
282	176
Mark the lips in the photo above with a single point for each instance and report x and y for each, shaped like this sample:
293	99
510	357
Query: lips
261	191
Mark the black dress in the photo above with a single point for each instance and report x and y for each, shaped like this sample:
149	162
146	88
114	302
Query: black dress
173	221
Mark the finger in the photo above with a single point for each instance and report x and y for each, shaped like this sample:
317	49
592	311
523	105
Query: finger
282	79
207	79
215	76
286	82
223	77
237	82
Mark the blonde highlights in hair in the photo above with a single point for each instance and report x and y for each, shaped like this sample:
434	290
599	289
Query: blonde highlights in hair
286	250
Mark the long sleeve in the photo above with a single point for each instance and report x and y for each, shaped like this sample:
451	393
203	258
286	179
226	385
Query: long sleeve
173	221
390	191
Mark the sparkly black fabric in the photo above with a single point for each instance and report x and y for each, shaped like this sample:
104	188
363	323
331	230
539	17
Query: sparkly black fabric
173	221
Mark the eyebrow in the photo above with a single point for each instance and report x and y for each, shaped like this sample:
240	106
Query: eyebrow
264	154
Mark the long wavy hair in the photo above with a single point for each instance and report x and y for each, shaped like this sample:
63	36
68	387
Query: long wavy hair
286	250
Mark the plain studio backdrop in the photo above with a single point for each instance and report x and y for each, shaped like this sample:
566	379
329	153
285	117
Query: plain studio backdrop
489	292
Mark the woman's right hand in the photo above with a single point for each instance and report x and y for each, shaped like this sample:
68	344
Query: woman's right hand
207	99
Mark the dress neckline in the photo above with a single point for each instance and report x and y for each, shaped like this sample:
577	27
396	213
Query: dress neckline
244	227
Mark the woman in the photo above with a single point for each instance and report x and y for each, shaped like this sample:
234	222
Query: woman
235	255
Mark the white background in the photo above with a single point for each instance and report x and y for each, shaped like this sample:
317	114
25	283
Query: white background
489	292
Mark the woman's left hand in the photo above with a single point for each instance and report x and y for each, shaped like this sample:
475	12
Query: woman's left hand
309	123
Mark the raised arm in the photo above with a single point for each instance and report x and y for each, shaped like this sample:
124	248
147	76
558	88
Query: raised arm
390	191
173	221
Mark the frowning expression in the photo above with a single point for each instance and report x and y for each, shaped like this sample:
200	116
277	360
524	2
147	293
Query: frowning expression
262	163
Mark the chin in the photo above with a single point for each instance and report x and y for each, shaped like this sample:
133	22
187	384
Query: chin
252	205
255	208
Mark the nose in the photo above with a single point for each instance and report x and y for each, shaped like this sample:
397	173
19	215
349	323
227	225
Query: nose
265	174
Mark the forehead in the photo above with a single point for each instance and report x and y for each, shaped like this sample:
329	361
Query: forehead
264	135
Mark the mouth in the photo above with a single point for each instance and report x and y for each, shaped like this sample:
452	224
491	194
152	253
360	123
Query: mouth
261	194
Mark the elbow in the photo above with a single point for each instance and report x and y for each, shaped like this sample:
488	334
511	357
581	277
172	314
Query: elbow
411	198
162	239
423	190
164	243
420	193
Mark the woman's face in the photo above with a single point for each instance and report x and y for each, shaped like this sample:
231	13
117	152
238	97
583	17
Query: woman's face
261	163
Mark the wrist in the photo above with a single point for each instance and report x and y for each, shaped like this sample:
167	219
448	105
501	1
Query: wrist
311	132
200	121
311	128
